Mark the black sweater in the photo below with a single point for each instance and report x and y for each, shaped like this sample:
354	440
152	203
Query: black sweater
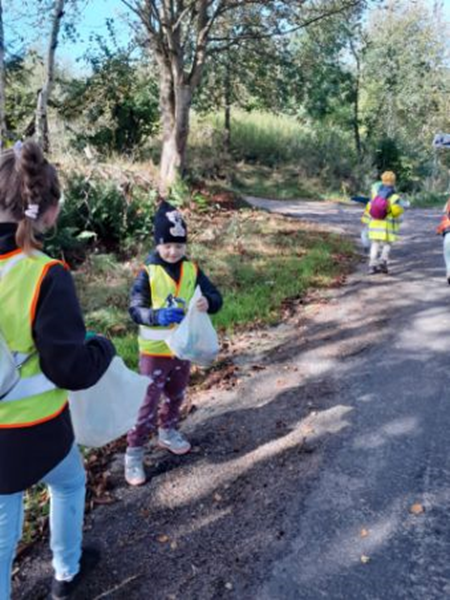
67	359
141	296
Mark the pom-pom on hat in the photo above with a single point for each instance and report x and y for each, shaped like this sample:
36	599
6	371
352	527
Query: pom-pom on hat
170	227
388	178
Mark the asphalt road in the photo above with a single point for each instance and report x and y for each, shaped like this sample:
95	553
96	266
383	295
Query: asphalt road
357	538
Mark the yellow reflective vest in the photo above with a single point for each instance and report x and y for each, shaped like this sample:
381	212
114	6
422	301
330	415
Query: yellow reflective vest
384	230
151	339
35	398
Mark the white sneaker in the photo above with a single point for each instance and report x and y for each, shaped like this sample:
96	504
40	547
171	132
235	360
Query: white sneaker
134	466
173	440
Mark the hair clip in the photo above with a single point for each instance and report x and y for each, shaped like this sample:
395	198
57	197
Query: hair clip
32	211
17	148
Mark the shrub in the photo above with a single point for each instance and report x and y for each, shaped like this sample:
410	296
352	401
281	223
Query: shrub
102	215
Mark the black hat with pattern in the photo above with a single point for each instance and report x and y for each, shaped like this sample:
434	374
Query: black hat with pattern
170	227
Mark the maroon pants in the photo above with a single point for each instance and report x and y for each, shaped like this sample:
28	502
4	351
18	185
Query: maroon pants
169	377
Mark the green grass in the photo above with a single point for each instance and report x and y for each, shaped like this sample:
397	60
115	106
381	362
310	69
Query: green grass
271	155
429	199
277	183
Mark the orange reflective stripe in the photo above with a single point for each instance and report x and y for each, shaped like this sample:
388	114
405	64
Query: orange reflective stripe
37	422
180	280
11	254
177	289
38	287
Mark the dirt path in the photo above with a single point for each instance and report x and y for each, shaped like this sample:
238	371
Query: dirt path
335	424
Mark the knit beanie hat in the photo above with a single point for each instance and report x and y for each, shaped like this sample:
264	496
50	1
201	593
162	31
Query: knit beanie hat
170	227
388	178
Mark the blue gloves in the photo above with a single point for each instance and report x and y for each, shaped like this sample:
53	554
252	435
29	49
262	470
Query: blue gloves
167	316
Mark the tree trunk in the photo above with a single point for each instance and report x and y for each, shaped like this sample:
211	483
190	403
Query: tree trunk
227	98
42	134
356	124
175	106
356	132
3	127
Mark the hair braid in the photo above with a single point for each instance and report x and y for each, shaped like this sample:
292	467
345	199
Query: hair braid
28	187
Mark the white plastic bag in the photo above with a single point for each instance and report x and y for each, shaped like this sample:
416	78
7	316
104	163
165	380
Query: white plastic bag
108	409
195	338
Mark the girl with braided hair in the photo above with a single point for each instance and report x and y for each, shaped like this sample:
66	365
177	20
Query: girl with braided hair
42	325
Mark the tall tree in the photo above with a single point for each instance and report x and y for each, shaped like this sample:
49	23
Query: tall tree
405	80
182	33
42	135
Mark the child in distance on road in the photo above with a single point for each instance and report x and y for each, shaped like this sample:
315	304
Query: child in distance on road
444	229
383	228
159	296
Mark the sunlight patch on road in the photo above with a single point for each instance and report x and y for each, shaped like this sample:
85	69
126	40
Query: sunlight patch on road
345	550
205	478
405	426
202	522
427	331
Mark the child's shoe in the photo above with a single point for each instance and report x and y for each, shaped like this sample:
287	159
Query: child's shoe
172	440
134	466
383	266
372	269
63	590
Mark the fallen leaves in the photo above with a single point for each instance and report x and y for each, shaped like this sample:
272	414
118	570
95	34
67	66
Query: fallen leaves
416	509
163	539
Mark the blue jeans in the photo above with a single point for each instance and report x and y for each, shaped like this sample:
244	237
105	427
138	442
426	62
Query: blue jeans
447	252
67	487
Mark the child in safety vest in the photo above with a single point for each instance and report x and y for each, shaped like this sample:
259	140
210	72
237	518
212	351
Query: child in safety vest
443	229
382	219
42	327
159	296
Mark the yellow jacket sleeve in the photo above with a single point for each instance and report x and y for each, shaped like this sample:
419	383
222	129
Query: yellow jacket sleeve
396	210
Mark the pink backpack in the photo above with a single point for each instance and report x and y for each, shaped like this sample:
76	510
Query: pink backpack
379	208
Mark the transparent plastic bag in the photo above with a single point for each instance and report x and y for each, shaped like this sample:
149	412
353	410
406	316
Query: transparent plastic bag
108	409
195	338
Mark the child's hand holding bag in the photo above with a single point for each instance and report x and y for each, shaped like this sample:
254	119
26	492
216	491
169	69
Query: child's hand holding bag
195	338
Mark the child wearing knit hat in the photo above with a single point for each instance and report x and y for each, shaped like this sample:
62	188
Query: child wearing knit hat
159	295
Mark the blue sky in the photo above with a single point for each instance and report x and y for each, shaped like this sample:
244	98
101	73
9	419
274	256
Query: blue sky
93	21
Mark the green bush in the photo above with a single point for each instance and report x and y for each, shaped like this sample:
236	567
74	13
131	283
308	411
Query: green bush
99	214
116	108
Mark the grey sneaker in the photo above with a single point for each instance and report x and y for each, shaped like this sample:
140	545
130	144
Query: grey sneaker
173	440
134	466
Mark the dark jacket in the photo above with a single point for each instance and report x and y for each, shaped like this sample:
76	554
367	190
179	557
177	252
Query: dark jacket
67	359
141	296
